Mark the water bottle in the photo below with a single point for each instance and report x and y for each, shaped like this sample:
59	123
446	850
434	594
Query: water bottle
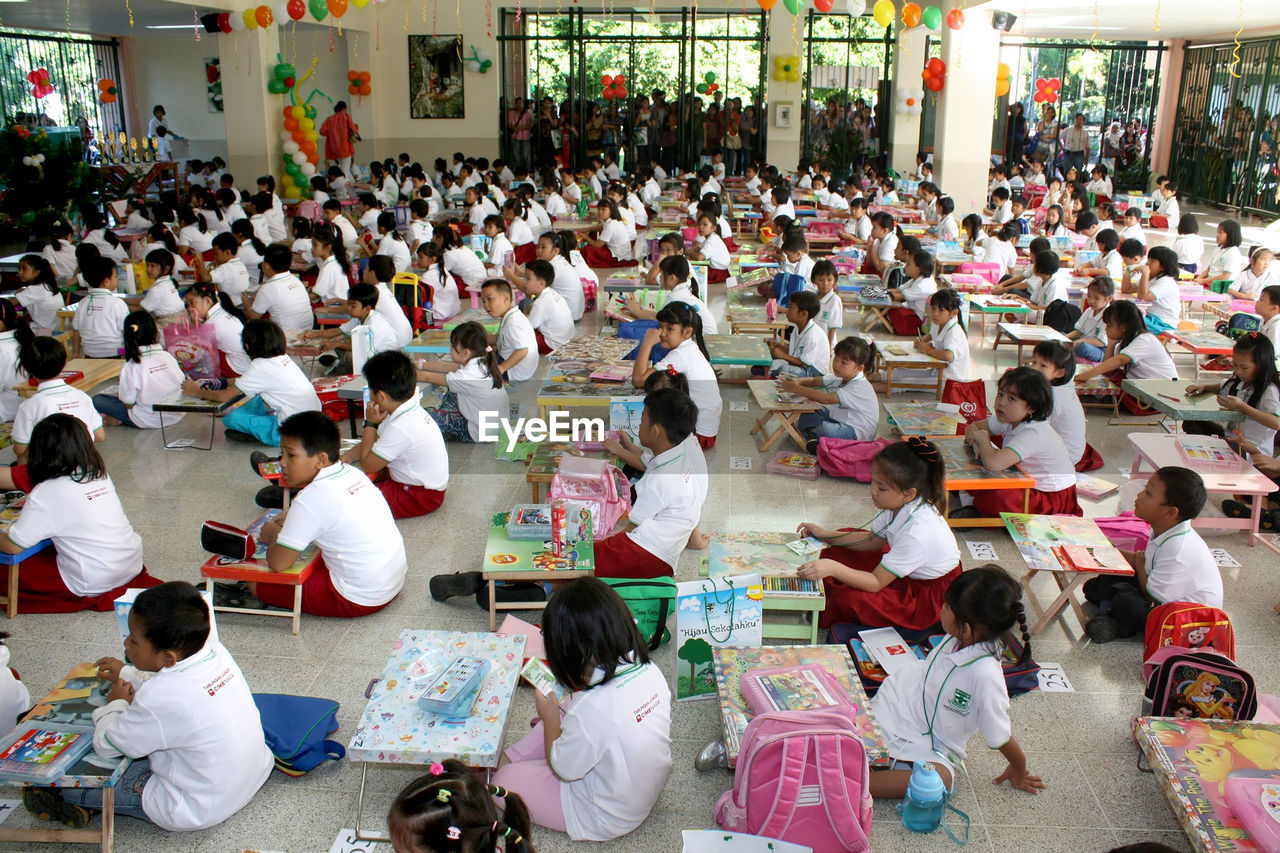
926	799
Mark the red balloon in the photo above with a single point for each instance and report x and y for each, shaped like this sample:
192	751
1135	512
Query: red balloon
608	94
224	22
620	79
300	136
366	89
955	19
296	9
824	5
622	92
291	124
353	75
288	82
606	80
288	112
936	66
934	84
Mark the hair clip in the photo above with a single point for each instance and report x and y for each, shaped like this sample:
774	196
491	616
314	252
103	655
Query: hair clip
488	348
497	791
454	833
443	795
437	769
671	370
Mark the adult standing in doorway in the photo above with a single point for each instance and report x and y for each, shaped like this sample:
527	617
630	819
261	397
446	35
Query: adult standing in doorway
1075	145
1047	135
160	119
1015	136
520	126
340	134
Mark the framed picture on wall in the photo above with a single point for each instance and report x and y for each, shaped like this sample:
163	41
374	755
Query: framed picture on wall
435	77
782	114
213	83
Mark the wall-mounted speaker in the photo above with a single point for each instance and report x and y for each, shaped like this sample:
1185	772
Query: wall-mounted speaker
1003	20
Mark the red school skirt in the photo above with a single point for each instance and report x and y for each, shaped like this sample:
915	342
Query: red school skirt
904	603
715	276
992	502
42	590
706	442
599	257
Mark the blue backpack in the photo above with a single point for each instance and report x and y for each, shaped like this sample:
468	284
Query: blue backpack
297	728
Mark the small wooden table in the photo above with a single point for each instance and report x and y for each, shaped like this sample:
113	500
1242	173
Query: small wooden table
184	404
569	385
96	371
922	419
585	347
902	356
8	515
531	561
1169	398
738	350
747	314
880	309
966	474
766	552
255	570
785	411
473	315
986	304
1201	343
1024	335
430	342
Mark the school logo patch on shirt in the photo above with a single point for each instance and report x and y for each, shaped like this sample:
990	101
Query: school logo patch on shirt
960	702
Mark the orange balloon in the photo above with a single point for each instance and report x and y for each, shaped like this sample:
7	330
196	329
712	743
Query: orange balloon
766	4
288	112
353	75
338	7
911	15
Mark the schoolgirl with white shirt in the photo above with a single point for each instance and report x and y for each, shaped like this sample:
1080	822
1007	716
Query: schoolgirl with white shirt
102	237
459	260
39	293
1189	244
16	334
420	227
948	228
193	233
332	280
480	207
1253	389
711	248
60	252
947	336
204	302
902	586
612	247
380	273
501	252
149	376
680	331
1250	282
250	250
568	282
445	302
1162	290
474	389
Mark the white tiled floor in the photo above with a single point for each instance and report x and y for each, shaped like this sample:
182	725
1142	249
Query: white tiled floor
1079	742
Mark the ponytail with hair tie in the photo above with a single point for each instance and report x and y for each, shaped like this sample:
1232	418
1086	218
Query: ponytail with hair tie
923	447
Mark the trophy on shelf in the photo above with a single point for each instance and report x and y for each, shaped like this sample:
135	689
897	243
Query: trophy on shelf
155	149
124	148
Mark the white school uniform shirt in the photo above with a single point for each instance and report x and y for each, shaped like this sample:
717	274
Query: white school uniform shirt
1165	303
1042	455
275	223
682	292
556	205
1148	359
1190	247
445	302
929	709
331	282
1004	213
420	231
252	261
62	260
515	332
785	209
1002	252
97	549
1248	282
42	304
1113	264
519	232
384	337
1067	421
947	228
613	233
348	519
1252	430
1181	568
476	395
669	500
856	404
464	263
636	206
232	278
281	384
98	237
540	223
921	545
213	223
369	219
862	229
1091	325
831	311
614	752
753	185
628	221
397	250
501	253
835	201
812	347
411	444
390	311
195	715
651	192
162	298
1049	290
319	197
10	375
1133	232
952	338
15	699
233	213
714	250
350	237
886	246
196	240
285	298
1271	328
100	321
704	385
261	229
1171	211
154	378
802	267
341	188
550	315
302	247
229	331
916	294
1101	186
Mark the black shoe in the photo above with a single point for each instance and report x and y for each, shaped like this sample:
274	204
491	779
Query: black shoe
1237	509
327	360
1103	628
444	587
47	804
511	592
965	512
241	437
270	497
235	595
258	458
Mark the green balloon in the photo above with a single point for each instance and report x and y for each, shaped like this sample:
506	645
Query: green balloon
276	87
310	111
319	9
931	17
794	6
284	70
711	77
701	88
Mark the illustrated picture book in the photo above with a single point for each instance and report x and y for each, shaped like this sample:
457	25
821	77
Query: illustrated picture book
1041	540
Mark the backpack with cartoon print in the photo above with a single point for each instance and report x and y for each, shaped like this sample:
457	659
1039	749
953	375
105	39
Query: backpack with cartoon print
1197	685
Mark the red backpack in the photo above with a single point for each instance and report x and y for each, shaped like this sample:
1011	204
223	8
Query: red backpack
970	396
1191	626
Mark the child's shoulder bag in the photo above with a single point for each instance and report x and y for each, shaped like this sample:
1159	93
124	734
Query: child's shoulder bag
297	729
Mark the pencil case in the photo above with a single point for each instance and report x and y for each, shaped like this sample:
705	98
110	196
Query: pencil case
226	541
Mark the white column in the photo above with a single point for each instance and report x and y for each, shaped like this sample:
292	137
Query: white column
784	143
252	114
962	141
904	136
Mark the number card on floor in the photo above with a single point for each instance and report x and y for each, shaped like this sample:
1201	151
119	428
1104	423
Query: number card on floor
1053	679
981	550
346	842
740	463
738	406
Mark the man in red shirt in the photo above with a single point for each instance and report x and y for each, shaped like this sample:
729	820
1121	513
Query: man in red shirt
340	133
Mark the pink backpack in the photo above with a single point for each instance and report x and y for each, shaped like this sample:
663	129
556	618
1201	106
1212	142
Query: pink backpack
595	485
802	777
847	457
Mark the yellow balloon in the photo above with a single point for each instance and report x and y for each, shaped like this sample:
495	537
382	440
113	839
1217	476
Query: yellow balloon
250	19
306	124
312	136
299	112
883	12
359	4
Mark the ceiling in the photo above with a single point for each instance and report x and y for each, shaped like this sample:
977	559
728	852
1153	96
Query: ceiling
1073	19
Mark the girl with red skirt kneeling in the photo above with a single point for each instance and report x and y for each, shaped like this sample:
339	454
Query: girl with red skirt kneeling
611	247
96	553
1024	401
896	572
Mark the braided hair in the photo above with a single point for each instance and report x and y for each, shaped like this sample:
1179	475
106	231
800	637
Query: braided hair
451	810
988	601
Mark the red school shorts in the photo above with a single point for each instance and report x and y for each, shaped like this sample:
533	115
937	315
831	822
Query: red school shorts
319	597
617	556
706	442
408	501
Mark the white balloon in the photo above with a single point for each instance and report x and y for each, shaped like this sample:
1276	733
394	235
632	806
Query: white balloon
857	7
281	13
235	21
916	110
918	94
902	109
308	169
291	147
299	158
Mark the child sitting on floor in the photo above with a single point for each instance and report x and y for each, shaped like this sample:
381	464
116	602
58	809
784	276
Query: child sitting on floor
1131	348
72	501
473	379
548	314
99	319
830	308
43	359
361	304
711	248
1253	389
594	770
681	286
680	333
149	376
1089	337
808	352
896	571
982	605
1176	565
1161	290
362	562
282	296
162	297
449	804
1057	363
1249	283
850	406
1024	402
915	293
515	341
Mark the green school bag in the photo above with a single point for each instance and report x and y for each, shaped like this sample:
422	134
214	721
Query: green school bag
651	601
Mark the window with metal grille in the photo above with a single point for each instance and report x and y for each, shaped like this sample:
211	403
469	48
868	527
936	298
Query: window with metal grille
75	65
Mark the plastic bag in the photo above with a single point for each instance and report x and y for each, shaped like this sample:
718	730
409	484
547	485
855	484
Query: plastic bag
195	348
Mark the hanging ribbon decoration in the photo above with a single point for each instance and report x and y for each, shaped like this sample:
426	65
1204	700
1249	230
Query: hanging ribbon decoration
1094	37
488	18
519	13
128	8
1155	25
196	16
1235	49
